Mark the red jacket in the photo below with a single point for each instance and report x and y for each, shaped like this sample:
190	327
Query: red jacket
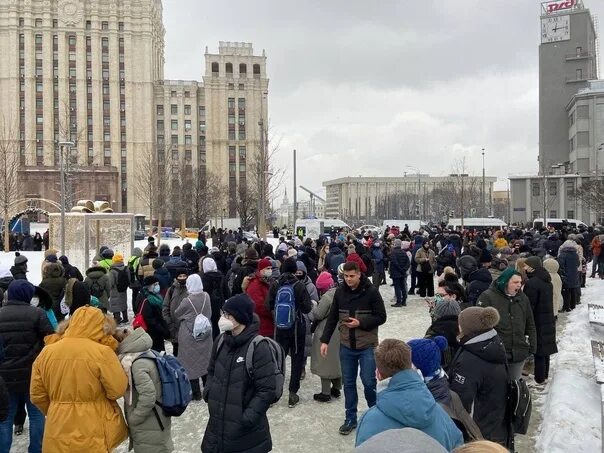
355	258
257	289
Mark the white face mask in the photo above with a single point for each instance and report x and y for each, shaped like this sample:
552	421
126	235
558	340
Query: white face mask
225	325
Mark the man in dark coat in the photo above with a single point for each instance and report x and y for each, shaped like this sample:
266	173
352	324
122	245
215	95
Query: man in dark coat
237	401
191	257
19	270
292	340
22	331
540	292
334	258
478	374
70	271
479	281
516	319
359	308
399	265
249	264
568	259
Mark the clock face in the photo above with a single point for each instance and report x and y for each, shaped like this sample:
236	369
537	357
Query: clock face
555	28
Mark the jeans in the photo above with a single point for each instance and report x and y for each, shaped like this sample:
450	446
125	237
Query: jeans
36	425
351	360
399	290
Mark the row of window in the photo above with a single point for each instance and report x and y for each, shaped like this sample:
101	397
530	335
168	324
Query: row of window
228	69
553	214
55	23
553	188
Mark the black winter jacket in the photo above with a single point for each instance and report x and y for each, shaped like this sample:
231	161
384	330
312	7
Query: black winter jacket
448	327
248	267
478	282
399	263
157	328
216	286
515	324
568	259
539	290
19	271
237	403
478	374
22	328
365	304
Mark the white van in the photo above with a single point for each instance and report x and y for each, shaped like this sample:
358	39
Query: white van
558	224
476	223
313	228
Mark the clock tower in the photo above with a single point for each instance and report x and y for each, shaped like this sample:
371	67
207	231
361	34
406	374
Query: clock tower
567	60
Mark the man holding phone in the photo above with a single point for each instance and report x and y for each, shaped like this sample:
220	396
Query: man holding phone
359	308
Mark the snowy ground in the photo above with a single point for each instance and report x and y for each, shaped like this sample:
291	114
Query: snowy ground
571	401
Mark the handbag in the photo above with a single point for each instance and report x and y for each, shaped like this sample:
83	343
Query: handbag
139	320
425	266
202	326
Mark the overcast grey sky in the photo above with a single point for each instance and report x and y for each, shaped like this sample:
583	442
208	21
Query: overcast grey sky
366	88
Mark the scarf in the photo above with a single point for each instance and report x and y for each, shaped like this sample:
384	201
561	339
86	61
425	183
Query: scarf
154	299
126	360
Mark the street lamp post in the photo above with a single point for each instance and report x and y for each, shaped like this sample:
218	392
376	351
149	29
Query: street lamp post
63	145
484	201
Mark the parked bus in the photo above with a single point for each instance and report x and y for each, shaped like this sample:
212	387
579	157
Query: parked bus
476	223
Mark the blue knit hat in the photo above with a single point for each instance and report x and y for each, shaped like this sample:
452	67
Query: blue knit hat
21	290
426	354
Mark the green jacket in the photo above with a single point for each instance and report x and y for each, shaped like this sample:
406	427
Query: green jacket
144	389
516	323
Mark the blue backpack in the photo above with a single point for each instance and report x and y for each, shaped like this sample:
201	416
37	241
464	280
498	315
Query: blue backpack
175	386
285	308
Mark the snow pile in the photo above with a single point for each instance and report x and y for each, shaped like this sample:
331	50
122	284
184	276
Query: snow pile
572	411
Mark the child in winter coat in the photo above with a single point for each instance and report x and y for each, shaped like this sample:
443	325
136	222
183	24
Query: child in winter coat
150	429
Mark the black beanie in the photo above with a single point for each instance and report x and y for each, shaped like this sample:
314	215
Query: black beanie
240	307
289	265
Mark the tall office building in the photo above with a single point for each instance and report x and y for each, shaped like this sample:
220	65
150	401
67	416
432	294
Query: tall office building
569	117
85	72
92	73
567	60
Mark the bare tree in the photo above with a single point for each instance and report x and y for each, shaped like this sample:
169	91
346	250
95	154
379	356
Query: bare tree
9	182
591	195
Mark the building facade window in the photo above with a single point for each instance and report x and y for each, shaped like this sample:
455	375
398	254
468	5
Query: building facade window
570	189
160	110
174	125
174	109
536	189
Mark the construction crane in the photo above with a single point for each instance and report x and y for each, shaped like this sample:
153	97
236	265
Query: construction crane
312	199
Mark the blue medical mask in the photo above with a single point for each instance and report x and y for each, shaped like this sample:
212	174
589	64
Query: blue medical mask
156	288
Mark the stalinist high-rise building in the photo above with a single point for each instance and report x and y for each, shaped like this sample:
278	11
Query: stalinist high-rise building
92	73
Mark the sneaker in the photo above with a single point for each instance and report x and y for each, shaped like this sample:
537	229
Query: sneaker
347	427
18	430
321	397
293	400
335	392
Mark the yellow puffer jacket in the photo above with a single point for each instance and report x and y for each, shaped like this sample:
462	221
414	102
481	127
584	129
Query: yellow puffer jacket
75	382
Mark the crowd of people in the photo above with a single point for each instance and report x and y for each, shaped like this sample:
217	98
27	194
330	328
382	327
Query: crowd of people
493	298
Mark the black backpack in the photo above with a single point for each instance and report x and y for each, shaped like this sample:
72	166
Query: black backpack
96	289
123	280
520	405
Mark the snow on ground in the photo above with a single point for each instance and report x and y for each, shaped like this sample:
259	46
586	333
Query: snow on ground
573	420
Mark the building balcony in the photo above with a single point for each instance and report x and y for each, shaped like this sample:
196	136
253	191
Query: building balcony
583	79
579	56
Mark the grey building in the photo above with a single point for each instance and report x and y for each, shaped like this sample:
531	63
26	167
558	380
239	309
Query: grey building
567	60
571	117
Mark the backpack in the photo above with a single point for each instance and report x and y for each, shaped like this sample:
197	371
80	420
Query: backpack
122	281
202	326
520	404
278	359
96	289
176	393
285	307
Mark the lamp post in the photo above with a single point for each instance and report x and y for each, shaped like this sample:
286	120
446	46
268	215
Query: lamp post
63	145
484	201
419	188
